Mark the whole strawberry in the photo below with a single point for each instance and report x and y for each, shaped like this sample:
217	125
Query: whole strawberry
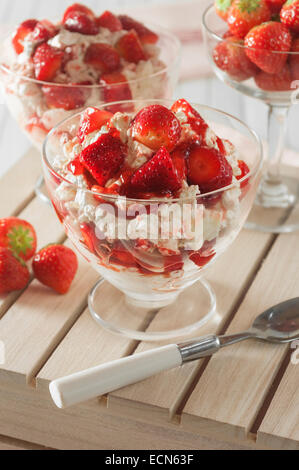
55	266
243	15
14	274
275	82
294	60
222	7
289	15
275	5
230	56
264	41
19	236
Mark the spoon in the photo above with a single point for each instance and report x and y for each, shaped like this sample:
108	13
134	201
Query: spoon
278	324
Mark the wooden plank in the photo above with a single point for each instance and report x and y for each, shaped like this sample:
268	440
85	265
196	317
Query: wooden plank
159	397
28	413
41	318
88	344
17	185
8	443
230	393
48	229
280	427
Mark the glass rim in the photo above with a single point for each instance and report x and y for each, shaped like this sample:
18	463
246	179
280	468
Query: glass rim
113	197
242	46
154	27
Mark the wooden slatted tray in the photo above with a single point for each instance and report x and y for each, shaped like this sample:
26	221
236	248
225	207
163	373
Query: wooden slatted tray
246	396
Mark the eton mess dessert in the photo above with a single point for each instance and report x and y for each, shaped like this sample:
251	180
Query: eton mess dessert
49	70
148	198
261	42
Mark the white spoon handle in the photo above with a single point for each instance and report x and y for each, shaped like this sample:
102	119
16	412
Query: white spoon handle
90	383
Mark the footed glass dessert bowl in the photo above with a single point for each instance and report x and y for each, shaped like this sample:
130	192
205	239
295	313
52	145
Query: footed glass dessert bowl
258	55
151	196
49	71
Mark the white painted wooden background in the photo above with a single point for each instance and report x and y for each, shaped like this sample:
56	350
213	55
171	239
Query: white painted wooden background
207	91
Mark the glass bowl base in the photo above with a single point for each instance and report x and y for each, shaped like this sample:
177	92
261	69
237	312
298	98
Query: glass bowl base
186	313
276	208
41	191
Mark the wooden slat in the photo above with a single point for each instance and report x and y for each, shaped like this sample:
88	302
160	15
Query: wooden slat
229	395
8	443
280	427
17	185
48	229
159	396
37	322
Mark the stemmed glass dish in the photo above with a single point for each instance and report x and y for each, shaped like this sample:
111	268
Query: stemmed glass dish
39	106
278	194
127	239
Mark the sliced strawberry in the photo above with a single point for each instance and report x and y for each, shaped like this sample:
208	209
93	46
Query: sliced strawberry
244	171
121	256
146	36
208	169
92	120
230	56
43	31
116	88
109	21
103	158
130	48
76	167
156	126
102	57
80	19
179	157
204	255
173	263
281	81
65	97
158	175
193	117
265	45
47	61
22	31
77	8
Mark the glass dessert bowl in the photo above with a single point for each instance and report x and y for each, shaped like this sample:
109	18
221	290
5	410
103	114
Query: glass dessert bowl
272	76
49	71
150	197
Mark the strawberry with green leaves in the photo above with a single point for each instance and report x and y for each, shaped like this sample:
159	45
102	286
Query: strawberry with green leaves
289	15
14	274
19	236
267	46
55	266
222	7
243	15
